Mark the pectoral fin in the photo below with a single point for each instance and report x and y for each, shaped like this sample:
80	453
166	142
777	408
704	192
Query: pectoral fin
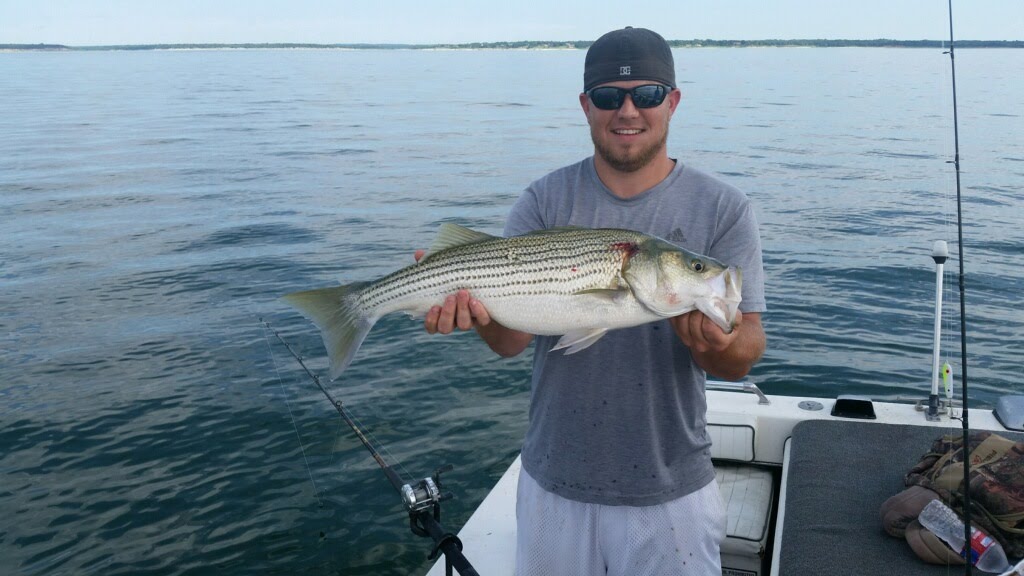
607	293
577	340
614	289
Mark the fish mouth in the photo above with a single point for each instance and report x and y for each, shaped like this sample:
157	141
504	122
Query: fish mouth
726	295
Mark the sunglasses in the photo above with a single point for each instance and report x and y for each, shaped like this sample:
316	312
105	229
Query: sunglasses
612	97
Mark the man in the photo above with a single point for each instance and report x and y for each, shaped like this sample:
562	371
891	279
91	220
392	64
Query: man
617	475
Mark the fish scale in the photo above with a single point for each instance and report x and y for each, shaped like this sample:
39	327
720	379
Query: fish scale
571	282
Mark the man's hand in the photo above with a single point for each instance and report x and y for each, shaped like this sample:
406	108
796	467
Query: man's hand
729	356
700	334
459	311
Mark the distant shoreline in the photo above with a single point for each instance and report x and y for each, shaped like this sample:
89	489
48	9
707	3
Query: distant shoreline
532	45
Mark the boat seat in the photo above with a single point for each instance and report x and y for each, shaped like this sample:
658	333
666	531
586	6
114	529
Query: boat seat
747	494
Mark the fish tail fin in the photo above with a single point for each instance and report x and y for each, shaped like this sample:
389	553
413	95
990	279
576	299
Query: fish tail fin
343	323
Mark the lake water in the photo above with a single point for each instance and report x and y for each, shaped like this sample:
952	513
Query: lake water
154	205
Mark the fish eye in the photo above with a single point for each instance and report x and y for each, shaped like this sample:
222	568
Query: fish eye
697	266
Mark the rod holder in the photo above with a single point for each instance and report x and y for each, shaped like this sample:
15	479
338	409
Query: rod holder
940	253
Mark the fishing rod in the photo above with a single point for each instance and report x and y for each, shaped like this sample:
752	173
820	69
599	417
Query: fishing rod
422	501
963	304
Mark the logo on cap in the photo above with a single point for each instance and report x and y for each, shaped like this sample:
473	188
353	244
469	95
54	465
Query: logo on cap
624	70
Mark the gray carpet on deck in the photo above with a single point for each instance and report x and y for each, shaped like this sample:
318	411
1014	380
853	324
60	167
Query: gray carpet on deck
839	475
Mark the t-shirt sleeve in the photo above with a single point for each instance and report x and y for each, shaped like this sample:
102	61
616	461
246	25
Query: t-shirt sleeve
739	243
525	215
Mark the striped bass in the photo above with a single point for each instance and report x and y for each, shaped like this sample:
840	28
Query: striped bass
575	282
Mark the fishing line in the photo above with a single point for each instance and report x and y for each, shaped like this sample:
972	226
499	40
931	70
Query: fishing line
380	446
337	434
377	444
347	415
422	499
948	208
291	415
963	304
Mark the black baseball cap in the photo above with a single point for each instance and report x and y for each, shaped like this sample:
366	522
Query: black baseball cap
629	54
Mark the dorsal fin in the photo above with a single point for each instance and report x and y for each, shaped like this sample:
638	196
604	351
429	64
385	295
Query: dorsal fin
454	235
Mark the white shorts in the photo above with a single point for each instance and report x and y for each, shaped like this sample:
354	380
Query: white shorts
560	537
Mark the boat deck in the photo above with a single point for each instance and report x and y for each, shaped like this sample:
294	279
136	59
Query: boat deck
832	475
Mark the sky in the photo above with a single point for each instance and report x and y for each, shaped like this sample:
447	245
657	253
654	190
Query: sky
106	22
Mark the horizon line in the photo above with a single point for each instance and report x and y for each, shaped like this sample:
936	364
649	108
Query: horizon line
567	44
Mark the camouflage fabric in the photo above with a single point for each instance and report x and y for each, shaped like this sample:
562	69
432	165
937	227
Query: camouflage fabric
996	483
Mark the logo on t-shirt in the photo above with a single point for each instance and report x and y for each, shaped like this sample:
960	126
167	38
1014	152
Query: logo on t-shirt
677	236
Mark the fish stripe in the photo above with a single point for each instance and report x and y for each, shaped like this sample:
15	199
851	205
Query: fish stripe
539	264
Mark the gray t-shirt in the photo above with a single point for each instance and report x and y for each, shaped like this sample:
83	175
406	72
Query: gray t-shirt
623	422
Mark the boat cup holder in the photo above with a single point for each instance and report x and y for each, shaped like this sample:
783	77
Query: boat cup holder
1010	412
850	406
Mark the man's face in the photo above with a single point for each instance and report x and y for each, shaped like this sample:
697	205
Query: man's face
629	138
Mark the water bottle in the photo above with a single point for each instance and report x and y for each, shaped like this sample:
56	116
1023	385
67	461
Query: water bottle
985	553
1017	570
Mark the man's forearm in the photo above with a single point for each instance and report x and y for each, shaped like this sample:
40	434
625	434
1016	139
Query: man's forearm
504	341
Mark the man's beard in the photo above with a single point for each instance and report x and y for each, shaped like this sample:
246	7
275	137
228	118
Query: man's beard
634	159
